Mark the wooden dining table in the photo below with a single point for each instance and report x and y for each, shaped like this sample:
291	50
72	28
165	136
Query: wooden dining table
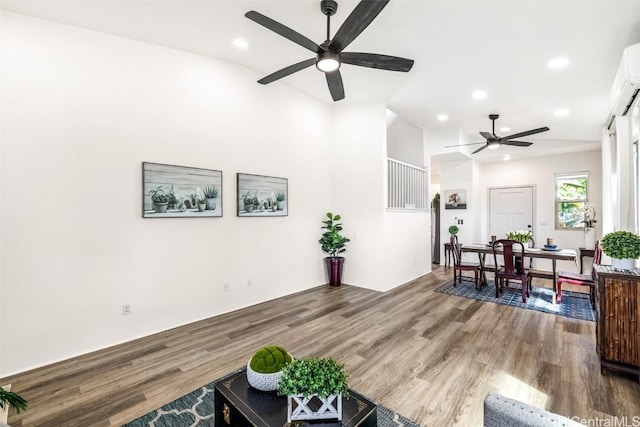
482	249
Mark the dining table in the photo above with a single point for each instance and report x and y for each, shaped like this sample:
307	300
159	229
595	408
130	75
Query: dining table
482	249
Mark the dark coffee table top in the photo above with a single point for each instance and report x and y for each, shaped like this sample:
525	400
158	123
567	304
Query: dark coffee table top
269	409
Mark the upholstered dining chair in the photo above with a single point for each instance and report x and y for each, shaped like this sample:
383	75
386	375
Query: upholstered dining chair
459	266
509	270
567	277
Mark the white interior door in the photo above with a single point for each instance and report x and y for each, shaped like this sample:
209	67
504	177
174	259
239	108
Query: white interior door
510	209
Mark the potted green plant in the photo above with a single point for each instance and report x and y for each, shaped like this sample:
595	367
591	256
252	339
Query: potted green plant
280	196
247	200
453	230
199	199
333	243
623	247
159	199
264	369
9	399
310	380
211	194
175	202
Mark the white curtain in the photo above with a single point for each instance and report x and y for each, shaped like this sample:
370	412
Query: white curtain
608	182
625	191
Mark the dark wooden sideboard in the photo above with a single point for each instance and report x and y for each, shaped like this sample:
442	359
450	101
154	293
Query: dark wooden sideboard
618	319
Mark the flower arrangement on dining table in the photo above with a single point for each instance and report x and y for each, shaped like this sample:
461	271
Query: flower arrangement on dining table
522	236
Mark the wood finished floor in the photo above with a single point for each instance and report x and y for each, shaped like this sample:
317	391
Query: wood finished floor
429	356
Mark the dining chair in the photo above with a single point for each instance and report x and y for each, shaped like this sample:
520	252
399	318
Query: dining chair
510	269
533	273
567	277
459	266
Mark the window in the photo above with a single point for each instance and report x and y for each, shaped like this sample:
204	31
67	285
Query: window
571	199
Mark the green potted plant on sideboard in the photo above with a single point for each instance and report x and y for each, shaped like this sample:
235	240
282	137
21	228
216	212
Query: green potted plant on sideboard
9	399
453	230
333	243
265	367
312	380
623	247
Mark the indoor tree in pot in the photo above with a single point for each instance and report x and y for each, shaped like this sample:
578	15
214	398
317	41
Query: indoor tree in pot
623	247
333	244
309	381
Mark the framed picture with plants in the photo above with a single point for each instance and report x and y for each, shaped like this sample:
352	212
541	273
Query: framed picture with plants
179	191
260	195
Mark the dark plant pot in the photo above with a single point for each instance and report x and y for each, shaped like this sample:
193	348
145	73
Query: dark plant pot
334	270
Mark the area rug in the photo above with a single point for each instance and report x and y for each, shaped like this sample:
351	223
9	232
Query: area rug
196	409
574	304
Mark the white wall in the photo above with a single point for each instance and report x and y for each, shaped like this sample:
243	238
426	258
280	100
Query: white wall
81	111
541	173
405	142
378	252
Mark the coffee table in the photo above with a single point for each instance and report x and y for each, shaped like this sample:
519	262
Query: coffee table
239	404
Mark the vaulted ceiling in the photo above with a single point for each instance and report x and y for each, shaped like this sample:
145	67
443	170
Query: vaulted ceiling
500	47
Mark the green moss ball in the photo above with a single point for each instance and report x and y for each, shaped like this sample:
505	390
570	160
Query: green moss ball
269	360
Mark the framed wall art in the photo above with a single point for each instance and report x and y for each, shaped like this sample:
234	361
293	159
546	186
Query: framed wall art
262	195
455	199
179	191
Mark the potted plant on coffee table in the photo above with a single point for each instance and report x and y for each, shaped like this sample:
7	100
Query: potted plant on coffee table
264	369
333	244
623	247
9	399
314	389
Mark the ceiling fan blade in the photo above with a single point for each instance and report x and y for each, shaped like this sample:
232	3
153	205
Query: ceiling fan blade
481	148
517	143
284	31
488	136
334	81
527	133
374	60
464	145
364	13
286	71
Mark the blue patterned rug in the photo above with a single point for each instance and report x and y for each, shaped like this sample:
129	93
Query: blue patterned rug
574	304
196	410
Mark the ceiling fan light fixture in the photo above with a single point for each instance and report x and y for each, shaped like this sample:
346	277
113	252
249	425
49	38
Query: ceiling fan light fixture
493	145
328	62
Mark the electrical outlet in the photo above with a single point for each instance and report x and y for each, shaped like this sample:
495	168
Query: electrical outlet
126	309
249	283
226	287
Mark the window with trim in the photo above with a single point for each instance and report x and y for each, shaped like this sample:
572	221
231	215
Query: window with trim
571	201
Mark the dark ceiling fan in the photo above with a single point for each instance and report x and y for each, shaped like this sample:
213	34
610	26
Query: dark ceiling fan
329	54
495	141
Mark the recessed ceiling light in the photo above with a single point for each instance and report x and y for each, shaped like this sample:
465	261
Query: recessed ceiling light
558	63
506	157
240	44
443	117
479	94
561	112
505	129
